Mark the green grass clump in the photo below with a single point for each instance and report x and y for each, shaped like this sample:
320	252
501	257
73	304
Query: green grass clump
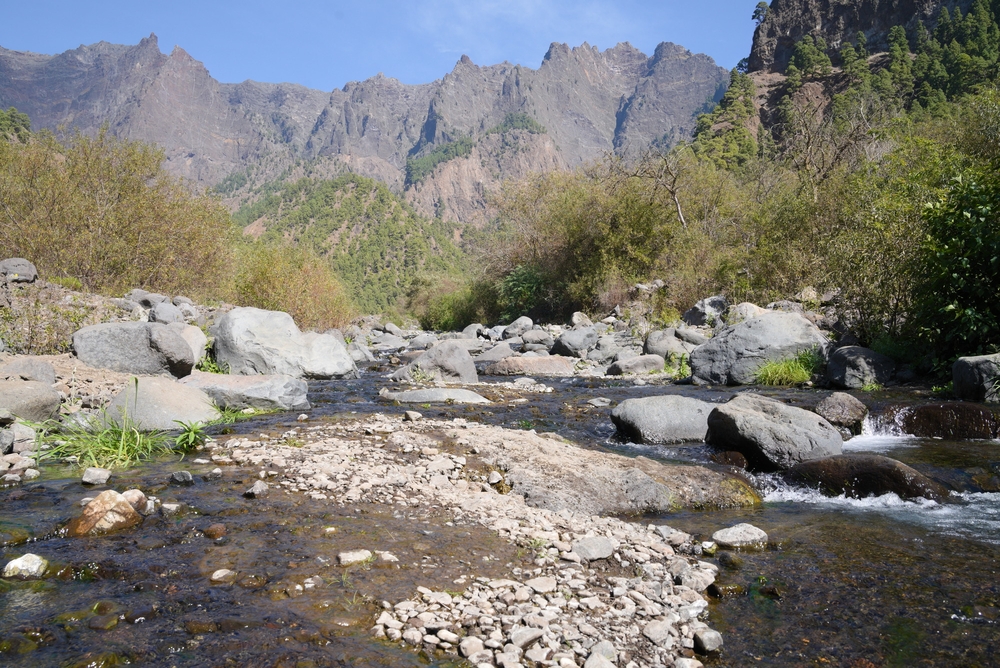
102	444
790	371
231	415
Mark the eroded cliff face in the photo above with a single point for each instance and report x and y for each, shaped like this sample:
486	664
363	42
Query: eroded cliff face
836	21
589	102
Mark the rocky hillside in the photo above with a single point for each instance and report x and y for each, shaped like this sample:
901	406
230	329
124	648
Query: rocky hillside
836	21
583	101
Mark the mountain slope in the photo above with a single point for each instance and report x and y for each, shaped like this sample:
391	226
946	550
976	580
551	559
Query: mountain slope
589	101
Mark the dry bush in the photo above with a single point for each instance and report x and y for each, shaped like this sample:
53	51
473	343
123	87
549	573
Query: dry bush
103	211
294	280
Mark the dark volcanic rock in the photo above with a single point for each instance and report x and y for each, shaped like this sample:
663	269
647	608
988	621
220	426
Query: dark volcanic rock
859	476
950	420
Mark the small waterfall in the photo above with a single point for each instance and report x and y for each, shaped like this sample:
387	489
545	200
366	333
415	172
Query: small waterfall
888	423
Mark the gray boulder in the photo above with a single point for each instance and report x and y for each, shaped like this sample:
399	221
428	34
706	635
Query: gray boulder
146	299
423	341
166	313
771	435
537	336
743	311
706	312
159	403
145	348
518	327
442	395
448	361
977	378
18	270
494	354
639	364
575	342
262	392
390	328
843	410
554	365
388	343
473	331
663	419
690	335
859	476
733	356
853	367
359	352
253	341
29	400
664	342
194	337
28	368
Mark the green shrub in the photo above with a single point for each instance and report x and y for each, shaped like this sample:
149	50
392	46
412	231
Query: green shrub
417	168
790	371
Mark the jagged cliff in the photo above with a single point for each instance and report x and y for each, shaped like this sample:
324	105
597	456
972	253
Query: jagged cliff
588	101
788	21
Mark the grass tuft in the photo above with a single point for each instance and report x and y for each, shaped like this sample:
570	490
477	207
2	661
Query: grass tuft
790	371
102	444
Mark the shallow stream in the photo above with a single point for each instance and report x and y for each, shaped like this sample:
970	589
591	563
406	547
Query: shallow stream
875	582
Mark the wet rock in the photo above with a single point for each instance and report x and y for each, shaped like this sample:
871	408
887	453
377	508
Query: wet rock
447	361
707	641
18	270
859	476
976	378
134	347
109	511
29	400
741	536
734	355
518	327
159	404
353	557
594	547
257	491
181	478
28	368
103	622
27	567
265	392
843	410
771	435
223	576
854	367
950	420
643	364
553	365
214	531
663	419
253	341
575	342
138	501
436	395
707	311
95	476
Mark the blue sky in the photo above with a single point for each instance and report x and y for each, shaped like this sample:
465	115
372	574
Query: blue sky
326	44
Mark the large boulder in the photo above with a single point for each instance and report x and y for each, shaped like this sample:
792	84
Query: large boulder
854	367
159	404
18	270
29	400
977	378
165	312
666	344
640	364
843	410
706	312
448	361
575	342
145	348
663	419
952	420
552	365
252	341
771	435
858	476
518	327
494	354
734	355
438	395
262	392
537	337
28	368
194	337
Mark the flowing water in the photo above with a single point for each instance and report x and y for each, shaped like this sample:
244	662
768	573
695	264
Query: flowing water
844	582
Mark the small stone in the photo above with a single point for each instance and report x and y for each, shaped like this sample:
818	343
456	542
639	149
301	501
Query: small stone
707	641
109	511
658	632
223	576
596	660
30	566
95	476
495	477
353	557
683	662
413	636
470	645
302	418
215	531
103	622
537	654
523	637
136	499
387	557
30	474
171	509
592	548
181	478
599	402
542	585
412	416
745	536
448	636
258	490
606	649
